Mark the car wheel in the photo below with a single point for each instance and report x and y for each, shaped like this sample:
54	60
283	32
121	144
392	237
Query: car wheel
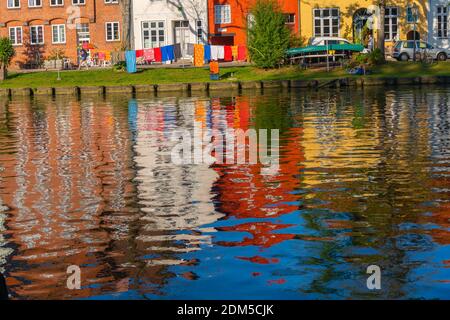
442	56
404	57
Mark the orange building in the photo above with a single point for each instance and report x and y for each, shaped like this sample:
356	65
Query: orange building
40	28
228	20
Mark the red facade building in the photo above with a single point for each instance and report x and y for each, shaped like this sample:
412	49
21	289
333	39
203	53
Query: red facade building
40	28
228	20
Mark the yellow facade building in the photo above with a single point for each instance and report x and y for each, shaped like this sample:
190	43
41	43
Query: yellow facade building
356	19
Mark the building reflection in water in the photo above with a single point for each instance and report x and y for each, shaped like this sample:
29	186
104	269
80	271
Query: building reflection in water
363	179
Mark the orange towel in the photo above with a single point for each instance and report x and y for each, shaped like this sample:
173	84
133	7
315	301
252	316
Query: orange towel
234	52
214	67
198	55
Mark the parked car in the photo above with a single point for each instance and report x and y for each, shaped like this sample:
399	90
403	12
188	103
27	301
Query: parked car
404	50
323	41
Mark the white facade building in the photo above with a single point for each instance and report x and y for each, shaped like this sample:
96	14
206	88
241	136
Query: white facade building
438	23
164	22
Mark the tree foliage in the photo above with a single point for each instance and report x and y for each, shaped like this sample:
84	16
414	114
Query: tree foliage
268	36
6	54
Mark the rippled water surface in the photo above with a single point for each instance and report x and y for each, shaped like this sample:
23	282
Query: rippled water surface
364	179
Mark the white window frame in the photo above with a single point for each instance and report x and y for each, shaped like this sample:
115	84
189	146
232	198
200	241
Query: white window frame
444	22
78	2
157	30
222	13
57	26
56	4
35	5
43	37
112	23
111	1
15	42
14	2
388	22
330	18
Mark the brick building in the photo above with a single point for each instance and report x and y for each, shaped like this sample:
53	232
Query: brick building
39	28
228	20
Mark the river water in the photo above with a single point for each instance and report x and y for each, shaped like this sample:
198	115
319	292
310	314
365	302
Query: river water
363	179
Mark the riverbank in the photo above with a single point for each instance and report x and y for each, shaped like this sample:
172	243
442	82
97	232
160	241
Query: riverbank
248	77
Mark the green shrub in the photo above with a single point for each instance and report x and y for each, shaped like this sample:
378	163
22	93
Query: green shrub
366	60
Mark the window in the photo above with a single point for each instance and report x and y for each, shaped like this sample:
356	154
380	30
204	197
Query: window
111	1
199	31
112	31
15	35
222	14
58	33
408	45
37	34
34	3
153	34
13	4
442	21
410	18
326	22
54	3
83	34
390	23
78	2
289	18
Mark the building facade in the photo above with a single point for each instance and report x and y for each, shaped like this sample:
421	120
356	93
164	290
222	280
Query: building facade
228	20
166	22
40	28
351	19
438	23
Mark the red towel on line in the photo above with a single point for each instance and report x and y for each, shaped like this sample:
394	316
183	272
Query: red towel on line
228	55
158	55
242	53
149	54
139	53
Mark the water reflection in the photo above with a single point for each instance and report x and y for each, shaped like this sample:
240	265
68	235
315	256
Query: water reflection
364	179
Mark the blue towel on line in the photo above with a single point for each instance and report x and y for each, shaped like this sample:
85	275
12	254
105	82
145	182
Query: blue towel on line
130	58
207	53
167	53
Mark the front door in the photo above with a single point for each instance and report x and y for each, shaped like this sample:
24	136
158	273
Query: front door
182	35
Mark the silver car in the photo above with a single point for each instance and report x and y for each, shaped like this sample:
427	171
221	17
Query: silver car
404	50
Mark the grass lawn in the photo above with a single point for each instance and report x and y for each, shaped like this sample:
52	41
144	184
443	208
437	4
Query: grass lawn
160	75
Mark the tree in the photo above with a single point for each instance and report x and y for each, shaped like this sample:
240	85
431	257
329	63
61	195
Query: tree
268	36
380	31
6	54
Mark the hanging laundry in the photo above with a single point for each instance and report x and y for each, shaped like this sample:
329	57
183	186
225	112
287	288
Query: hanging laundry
167	53
158	55
215	55
234	52
242	53
130	58
214	67
198	55
190	49
149	55
227	56
139	53
177	51
207	53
